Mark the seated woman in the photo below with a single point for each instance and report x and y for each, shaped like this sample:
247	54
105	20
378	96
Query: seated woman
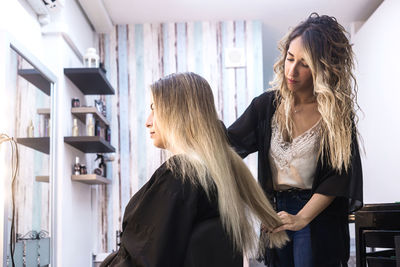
204	180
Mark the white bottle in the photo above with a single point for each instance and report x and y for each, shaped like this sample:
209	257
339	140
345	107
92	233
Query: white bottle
30	129
75	129
90	128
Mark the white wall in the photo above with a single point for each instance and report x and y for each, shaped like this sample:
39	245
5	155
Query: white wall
19	20
377	48
52	45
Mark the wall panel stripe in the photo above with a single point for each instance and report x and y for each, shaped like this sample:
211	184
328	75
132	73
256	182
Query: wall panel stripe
198	47
124	129
181	47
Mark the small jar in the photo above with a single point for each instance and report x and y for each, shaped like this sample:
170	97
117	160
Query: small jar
75	103
83	169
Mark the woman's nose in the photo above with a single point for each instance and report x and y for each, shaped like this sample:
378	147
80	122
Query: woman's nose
149	121
293	70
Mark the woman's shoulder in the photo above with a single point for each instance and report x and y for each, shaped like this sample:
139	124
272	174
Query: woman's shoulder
164	173
265	99
169	176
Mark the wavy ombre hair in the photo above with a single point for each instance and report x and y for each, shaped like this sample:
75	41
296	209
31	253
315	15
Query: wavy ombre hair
329	55
189	126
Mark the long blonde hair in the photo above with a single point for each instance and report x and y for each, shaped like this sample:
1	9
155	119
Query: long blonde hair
187	120
329	55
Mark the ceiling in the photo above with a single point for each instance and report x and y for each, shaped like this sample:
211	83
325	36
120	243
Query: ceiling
276	14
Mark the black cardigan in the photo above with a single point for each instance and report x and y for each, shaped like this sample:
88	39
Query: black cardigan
251	132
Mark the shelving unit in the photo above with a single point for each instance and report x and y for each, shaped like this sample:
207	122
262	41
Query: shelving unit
36	78
90	144
90	179
91	81
41	144
81	112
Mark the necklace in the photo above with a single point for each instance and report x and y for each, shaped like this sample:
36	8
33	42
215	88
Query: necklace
300	108
297	110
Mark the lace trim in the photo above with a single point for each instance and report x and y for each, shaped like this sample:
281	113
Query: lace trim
284	152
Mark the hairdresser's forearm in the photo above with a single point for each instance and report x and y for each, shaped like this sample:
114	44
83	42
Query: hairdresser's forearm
314	206
296	222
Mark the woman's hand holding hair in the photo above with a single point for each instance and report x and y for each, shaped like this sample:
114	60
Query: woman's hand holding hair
291	222
314	206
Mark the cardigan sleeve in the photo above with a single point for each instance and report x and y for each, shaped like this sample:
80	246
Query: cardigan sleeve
346	184
243	134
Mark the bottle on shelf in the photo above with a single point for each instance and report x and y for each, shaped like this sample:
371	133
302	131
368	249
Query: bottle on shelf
97	129
30	129
83	169
98	104
75	129
90	127
102	168
108	134
77	167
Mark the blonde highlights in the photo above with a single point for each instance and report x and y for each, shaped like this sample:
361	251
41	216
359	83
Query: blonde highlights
329	55
188	121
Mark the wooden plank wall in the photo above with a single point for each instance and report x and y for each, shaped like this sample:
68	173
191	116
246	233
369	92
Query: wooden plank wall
137	55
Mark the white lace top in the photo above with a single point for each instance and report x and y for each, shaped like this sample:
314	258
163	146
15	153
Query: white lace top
293	164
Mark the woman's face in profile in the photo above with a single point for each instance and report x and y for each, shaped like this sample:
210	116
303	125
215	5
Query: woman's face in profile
151	124
297	73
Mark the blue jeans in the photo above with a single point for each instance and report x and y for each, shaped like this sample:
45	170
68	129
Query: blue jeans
297	252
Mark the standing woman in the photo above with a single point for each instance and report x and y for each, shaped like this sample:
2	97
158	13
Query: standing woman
198	207
305	134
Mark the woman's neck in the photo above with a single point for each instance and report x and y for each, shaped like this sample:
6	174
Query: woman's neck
307	97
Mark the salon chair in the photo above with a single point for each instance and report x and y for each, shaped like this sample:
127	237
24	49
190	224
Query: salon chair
209	246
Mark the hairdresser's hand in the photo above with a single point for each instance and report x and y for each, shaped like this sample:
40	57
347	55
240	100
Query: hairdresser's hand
291	222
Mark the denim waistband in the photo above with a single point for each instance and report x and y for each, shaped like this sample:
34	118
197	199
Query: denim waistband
297	194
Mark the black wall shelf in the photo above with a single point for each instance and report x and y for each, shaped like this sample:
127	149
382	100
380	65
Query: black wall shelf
36	78
91	81
90	144
41	144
